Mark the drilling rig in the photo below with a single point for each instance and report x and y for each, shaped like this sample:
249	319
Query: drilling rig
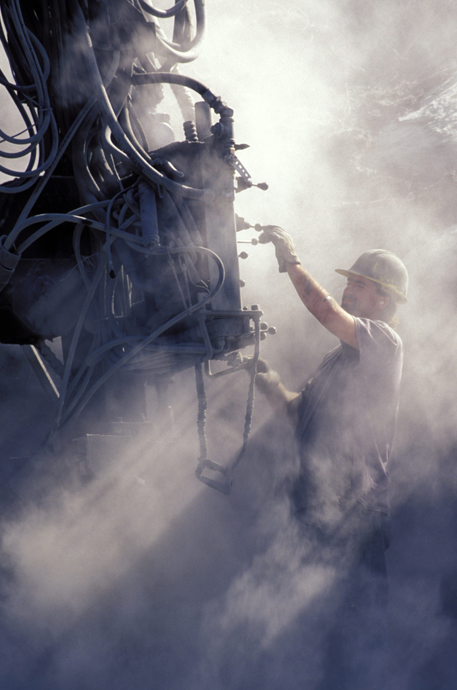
118	238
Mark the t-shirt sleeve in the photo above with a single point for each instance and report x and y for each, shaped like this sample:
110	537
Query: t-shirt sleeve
379	345
381	360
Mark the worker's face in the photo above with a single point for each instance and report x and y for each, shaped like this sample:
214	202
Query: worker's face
361	298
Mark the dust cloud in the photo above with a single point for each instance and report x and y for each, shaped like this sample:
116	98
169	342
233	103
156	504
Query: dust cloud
143	578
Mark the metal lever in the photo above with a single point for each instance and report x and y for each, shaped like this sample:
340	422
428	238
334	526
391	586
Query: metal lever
244	181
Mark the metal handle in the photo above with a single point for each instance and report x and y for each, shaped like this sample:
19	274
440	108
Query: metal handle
226	486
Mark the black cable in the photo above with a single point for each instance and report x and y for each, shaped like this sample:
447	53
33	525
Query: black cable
181	80
138	161
27	56
164	14
178	48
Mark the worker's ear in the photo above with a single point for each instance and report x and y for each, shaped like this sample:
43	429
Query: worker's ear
384	301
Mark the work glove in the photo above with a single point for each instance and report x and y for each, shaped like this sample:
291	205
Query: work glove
266	380
284	246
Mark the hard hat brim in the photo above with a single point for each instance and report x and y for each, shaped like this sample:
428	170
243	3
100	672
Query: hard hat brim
399	298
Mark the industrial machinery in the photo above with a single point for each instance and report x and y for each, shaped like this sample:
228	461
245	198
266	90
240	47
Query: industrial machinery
116	237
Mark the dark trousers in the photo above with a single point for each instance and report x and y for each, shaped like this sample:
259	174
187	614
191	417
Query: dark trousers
354	647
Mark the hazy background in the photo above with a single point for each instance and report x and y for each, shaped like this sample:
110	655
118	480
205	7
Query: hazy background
146	579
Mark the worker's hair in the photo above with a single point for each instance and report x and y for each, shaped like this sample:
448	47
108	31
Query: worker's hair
389	314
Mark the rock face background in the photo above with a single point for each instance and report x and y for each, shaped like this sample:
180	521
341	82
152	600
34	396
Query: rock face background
143	578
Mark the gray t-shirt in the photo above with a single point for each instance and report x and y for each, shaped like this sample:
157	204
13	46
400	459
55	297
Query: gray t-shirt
346	423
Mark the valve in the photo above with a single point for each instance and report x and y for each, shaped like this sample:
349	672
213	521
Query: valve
243	183
266	329
254	241
241	223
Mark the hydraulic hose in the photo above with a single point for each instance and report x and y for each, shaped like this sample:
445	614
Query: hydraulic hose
163	14
155	334
75	339
38	77
44	166
14	87
11	238
187	312
59	218
87	374
163	49
46	69
224	486
143	78
179	48
13	139
77	251
137	161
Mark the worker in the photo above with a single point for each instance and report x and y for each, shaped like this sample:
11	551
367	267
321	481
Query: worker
344	420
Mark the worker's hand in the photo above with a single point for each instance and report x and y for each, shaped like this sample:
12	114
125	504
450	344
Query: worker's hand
284	246
266	379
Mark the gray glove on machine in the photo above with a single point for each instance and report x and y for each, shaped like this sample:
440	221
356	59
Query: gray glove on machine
284	245
266	380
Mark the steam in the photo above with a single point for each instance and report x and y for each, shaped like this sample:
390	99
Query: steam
144	578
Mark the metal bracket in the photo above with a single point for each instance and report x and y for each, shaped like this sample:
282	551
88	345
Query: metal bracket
235	162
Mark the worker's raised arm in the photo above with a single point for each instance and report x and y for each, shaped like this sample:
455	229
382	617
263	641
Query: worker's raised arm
317	300
321	305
